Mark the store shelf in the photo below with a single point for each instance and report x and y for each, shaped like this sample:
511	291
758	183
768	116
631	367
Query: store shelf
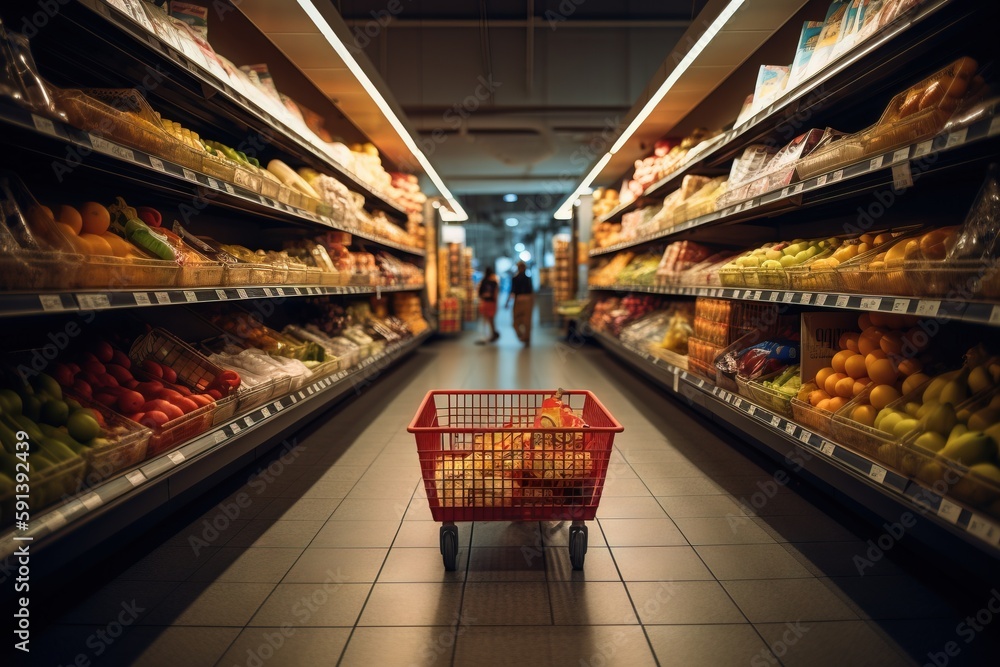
838	80
133	35
782	432
164	174
14	304
877	171
967	311
282	413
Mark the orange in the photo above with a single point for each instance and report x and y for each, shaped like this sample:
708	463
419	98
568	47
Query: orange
883	371
864	321
867	238
864	414
882	395
839	361
859	385
78	245
870	338
831	383
71	217
824	405
815	397
910	366
119	246
855	366
845	388
873	357
914	381
822	375
98	245
892	343
836	403
849	341
96	218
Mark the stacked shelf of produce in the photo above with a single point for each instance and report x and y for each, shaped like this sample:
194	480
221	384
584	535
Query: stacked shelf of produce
467	287
564	270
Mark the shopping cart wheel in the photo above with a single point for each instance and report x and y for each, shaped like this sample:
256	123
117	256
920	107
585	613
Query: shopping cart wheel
577	546
449	546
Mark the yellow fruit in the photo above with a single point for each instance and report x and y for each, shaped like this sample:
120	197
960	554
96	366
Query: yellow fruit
845	388
983	419
855	366
884	237
889	421
824	405
818	396
822	375
872	357
831	383
910	366
71	217
864	414
970	448
912	408
941	419
883	371
98	244
860	385
864	321
119	246
979	379
926	407
96	218
867	238
839	361
836	403
954	392
882	395
913	382
904	426
78	244
931	441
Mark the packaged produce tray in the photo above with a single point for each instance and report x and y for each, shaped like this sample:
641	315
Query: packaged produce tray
771	399
669	356
201	274
732	276
269	187
48	487
218	166
813	418
37	270
126	449
252	397
975	278
98	271
831	155
247	178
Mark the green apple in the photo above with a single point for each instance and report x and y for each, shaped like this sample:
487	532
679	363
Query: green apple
770	264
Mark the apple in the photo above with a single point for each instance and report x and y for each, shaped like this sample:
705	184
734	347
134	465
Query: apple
136	416
166	407
63	374
169	374
82	388
154	419
153	368
121	359
106	398
215	394
94	367
185	404
149	389
168	394
109	380
119	373
130	401
202	399
182	390
104	352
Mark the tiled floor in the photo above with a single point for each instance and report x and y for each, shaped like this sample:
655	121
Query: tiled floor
335	560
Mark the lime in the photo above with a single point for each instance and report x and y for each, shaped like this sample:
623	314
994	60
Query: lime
54	412
82	426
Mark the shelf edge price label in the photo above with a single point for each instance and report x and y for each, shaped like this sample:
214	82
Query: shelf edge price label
984	529
752	411
44	125
842	301
189	175
928	308
875	163
141	298
50	302
280	290
902	177
677	379
756	295
264	411
923	148
995	315
278	407
821	180
806	299
93	301
994	126
221	294
162	297
91	501
805	436
235	428
900	305
176	457
821	299
773	296
837	175
949	511
248	420
787	297
827	448
190	296
877	473
870	303
242	292
268	292
55	520
790	428
220	436
775	421
956	138
135	477
900	155
108	148
157	164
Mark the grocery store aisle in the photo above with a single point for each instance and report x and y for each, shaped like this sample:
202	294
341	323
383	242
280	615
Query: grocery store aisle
329	555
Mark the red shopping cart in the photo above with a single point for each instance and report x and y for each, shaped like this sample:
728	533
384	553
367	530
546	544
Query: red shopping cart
484	459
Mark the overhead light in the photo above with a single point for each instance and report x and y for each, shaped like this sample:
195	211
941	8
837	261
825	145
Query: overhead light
518	247
510	199
713	29
511	222
525	256
458	213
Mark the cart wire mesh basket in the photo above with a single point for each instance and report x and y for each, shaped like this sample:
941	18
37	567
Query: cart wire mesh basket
483	459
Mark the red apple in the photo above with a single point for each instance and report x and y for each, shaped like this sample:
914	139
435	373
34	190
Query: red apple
119	373
168	394
131	384
201	399
154	419
169	374
109	380
105	398
130	401
185	404
82	388
149	389
136	416
182	390
121	359
215	394
103	351
166	407
153	368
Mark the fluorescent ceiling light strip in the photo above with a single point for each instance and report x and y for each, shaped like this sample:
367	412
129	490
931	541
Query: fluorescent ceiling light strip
678	72
565	210
352	64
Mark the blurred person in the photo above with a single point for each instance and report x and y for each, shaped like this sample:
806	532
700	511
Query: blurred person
489	290
521	292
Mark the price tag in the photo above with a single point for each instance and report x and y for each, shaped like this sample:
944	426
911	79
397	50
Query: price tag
875	163
162	297
265	412
212	183
984	529
870	303
241	292
108	148
805	436
827	448
141	298
135	478
773	297
44	125
956	138
248	420
924	147
93	301
281	292
789	428
156	163
310	391
787	297
295	399
900	305
91	501
189	175
176	457
775	421
842	301
902	177
219	436
837	175
928	308
302	395
230	189
806	299
901	155
877	473
949	511
821	180
752	411
235	428
50	302
677	378
190	296
821	299
221	294
268	292
995	315
738	402
756	295
278	406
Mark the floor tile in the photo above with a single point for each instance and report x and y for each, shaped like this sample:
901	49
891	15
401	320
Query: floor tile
272	533
647	471
609	646
134	598
751	561
708	645
320	490
345	534
804	528
506	564
421	564
781	504
829	644
779	600
840	559
591	603
369	509
418	510
215	604
660	564
641	532
629	507
683	602
505	534
891	597
429	646
623	487
244	564
299	509
348	565
428	534
509	603
597	565
719	530
699	506
169	647
412	604
286	647
926	639
169	564
371	486
556	534
683	486
301	605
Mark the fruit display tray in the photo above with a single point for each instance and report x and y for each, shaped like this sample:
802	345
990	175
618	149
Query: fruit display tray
765	396
36	269
48	486
203	274
978	279
101	272
815	419
124	451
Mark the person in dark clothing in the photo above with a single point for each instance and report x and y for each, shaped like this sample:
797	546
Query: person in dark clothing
489	288
521	292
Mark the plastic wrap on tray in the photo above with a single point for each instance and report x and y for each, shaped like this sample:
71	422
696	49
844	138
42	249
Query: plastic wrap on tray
834	151
19	78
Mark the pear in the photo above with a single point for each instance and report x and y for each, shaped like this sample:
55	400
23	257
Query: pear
888	423
993	432
771	264
904	426
773	254
930	441
955	392
979	379
940	420
957	431
913	409
970	448
977	491
930	473
927	406
937	385
984	418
